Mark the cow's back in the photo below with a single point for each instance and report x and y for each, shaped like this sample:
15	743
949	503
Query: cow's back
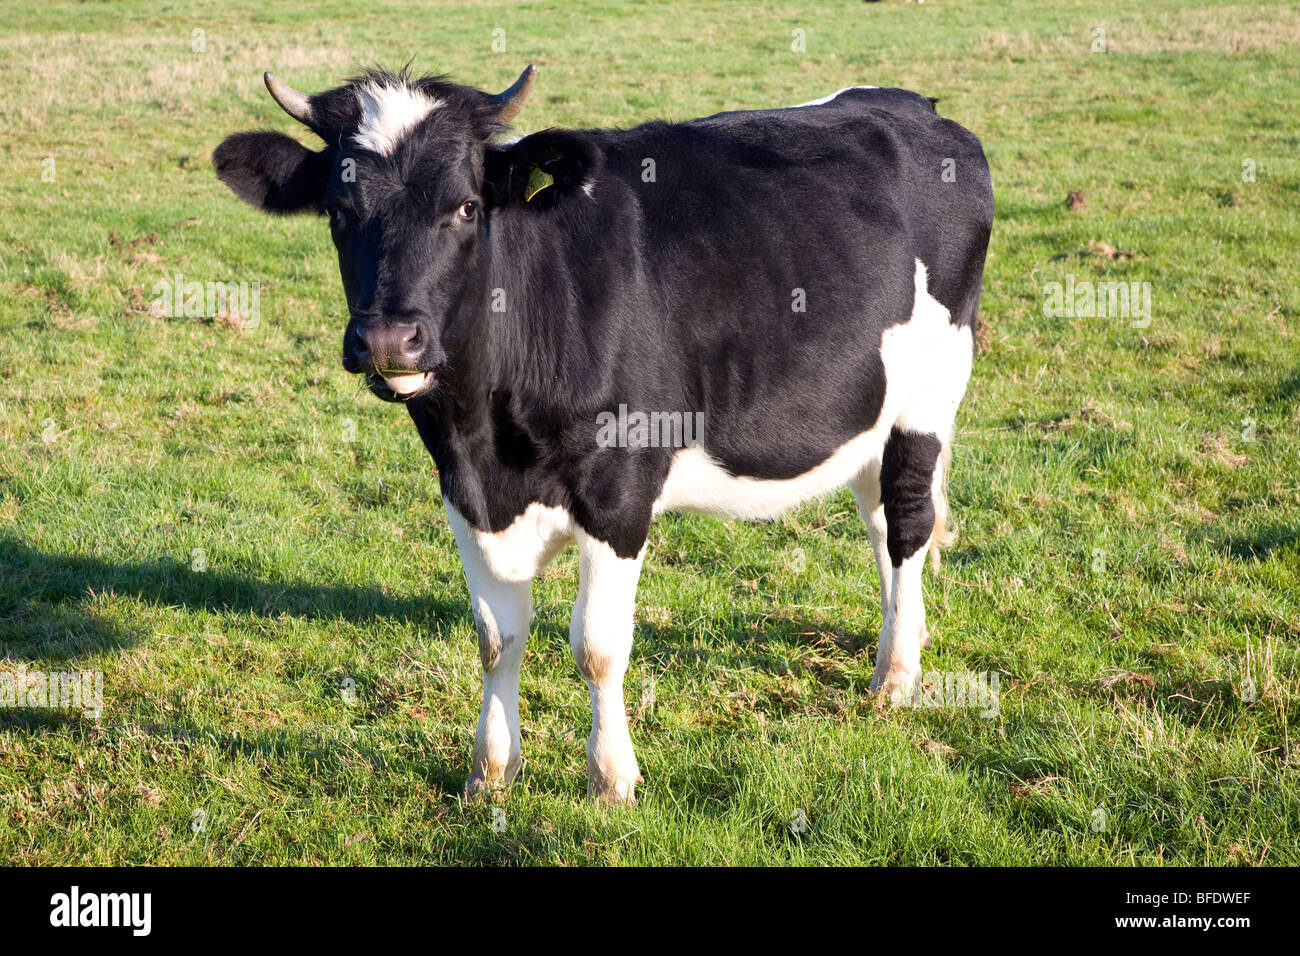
783	243
870	178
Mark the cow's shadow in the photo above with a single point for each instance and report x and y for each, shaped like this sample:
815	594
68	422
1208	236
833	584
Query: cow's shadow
1259	546
772	643
45	613
329	748
48	616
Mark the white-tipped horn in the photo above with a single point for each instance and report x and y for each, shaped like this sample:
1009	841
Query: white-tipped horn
513	99
293	102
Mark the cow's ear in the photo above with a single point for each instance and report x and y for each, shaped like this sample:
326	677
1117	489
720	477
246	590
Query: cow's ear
273	171
540	170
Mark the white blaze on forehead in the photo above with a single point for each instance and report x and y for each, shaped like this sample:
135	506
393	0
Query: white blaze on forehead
388	113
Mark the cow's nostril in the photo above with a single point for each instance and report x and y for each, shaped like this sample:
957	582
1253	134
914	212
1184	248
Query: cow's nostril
391	346
411	344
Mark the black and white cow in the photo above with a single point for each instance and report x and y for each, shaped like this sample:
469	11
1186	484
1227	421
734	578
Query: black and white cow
801	281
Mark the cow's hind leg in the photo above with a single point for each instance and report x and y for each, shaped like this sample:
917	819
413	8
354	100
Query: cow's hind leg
601	635
866	492
910	479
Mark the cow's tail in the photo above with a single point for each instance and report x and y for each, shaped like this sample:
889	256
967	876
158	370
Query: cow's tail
944	533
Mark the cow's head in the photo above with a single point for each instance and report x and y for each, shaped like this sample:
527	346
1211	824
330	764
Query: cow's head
402	178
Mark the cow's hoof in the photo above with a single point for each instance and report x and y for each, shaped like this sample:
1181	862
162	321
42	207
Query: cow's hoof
925	639
618	792
482	788
899	684
490	781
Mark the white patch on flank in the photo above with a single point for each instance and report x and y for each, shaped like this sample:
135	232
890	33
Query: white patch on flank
388	113
697	482
927	363
827	99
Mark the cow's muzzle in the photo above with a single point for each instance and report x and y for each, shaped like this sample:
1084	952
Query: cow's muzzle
390	357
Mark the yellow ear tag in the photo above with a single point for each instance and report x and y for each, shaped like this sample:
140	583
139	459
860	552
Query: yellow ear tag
537	181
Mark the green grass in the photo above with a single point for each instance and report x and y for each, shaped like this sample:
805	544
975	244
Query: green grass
1127	559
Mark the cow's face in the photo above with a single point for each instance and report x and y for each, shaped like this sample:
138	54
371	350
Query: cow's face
401	181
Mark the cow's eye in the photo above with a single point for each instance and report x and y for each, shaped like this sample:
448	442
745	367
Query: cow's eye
467	211
338	219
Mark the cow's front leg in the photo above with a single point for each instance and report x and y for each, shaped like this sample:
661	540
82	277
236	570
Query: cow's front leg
601	635
502	608
501	616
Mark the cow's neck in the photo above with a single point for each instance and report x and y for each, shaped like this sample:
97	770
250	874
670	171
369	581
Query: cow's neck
522	362
480	424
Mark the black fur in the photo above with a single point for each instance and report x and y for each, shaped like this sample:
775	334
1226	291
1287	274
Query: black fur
671	295
273	171
906	472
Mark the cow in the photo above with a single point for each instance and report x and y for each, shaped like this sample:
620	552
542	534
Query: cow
799	284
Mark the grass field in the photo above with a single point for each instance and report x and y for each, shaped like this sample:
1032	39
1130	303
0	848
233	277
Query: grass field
220	522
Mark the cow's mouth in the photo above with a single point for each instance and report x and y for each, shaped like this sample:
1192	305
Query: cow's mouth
399	386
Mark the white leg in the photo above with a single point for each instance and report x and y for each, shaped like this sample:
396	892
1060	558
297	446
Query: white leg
866	491
499	570
898	659
501	617
601	635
